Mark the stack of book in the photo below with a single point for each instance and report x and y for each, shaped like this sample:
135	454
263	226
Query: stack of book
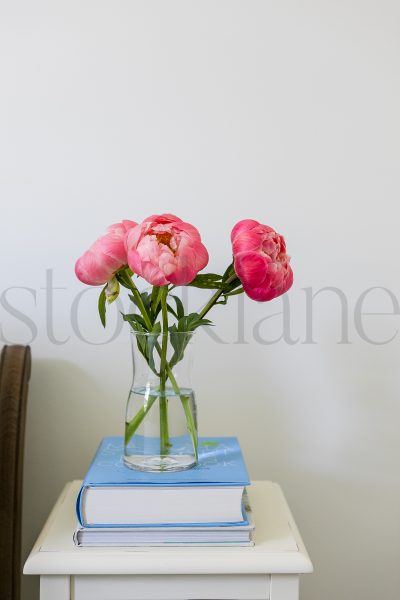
205	505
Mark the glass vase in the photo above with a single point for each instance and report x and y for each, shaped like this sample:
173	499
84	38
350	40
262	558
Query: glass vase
161	422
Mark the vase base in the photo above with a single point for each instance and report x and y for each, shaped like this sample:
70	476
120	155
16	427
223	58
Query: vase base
177	462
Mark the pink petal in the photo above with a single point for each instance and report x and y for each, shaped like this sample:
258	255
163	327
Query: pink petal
152	274
251	268
128	224
271	288
261	294
160	219
247	241
185	270
178	256
201	256
167	262
133	237
114	247
149	249
135	262
188	229
93	268
243	227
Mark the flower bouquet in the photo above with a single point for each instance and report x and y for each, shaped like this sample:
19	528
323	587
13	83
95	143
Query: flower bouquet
166	252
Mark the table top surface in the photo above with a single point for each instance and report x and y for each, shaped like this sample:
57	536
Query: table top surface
278	546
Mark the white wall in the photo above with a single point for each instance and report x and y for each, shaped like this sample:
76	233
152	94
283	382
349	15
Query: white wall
284	111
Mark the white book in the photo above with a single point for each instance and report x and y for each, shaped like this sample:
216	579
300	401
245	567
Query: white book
163	506
222	535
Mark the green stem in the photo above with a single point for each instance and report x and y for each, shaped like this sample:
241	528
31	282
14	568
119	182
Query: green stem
135	422
132	426
127	281
164	434
214	297
186	407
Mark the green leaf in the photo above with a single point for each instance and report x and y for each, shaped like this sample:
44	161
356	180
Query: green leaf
179	341
151	343
146	299
152	302
136	321
191	322
172	311
102	306
124	278
180	311
231	290
156	329
208	281
229	272
210	276
156	294
235	291
180	334
145	342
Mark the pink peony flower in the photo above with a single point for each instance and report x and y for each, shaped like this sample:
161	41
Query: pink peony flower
105	256
163	249
260	260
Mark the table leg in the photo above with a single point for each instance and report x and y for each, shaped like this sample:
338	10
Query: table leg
284	587
55	587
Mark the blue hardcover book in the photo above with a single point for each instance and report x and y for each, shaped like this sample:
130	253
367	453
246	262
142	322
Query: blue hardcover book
209	494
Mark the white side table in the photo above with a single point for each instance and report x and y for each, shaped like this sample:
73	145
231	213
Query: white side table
268	571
